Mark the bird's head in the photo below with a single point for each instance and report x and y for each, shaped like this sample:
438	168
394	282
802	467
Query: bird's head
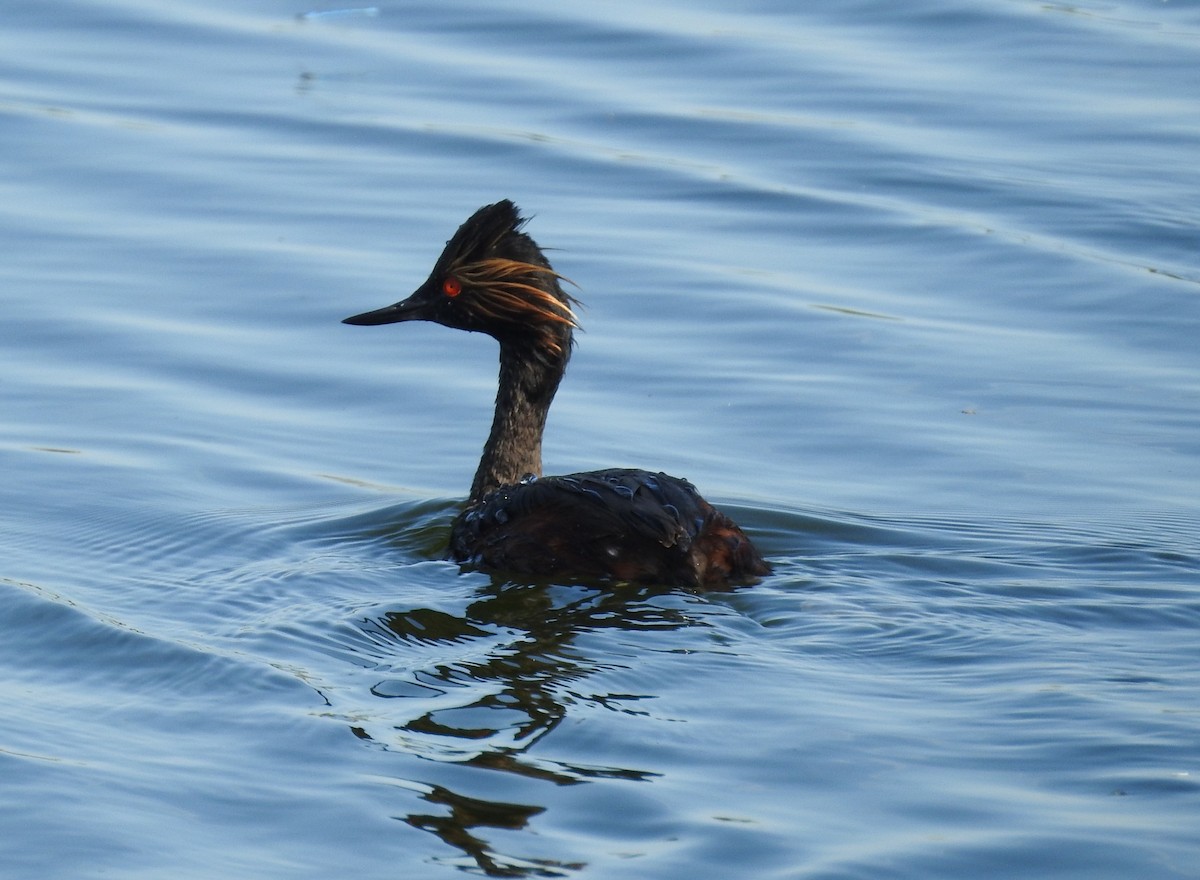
492	278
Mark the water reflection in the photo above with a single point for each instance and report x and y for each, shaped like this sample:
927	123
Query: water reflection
488	711
466	814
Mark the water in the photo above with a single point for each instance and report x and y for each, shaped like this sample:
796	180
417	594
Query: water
909	290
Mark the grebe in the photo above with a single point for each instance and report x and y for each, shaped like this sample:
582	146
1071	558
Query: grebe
624	524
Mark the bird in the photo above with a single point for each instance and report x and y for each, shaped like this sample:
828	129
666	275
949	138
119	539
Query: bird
617	524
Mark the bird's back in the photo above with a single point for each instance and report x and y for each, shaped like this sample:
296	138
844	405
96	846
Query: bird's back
624	524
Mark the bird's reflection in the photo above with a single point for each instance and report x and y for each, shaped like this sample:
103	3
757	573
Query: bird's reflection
504	699
465	814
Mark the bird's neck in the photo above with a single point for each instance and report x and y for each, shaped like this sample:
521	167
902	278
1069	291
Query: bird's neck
514	446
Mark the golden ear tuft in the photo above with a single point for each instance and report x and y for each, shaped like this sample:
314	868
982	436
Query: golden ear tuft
507	292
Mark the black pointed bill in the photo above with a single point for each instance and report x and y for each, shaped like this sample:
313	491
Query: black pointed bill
415	308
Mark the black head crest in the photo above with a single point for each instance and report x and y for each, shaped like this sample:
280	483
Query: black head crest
508	286
492	278
482	235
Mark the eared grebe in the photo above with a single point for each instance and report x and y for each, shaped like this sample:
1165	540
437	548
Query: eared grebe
630	525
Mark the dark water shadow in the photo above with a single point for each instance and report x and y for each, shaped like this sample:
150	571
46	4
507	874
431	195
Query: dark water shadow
528	681
457	825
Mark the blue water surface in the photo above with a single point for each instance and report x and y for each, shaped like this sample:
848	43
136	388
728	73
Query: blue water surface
911	290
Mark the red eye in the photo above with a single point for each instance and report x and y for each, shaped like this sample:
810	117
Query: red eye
451	286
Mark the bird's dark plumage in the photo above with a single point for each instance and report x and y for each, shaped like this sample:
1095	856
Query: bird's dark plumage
627	524
630	525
